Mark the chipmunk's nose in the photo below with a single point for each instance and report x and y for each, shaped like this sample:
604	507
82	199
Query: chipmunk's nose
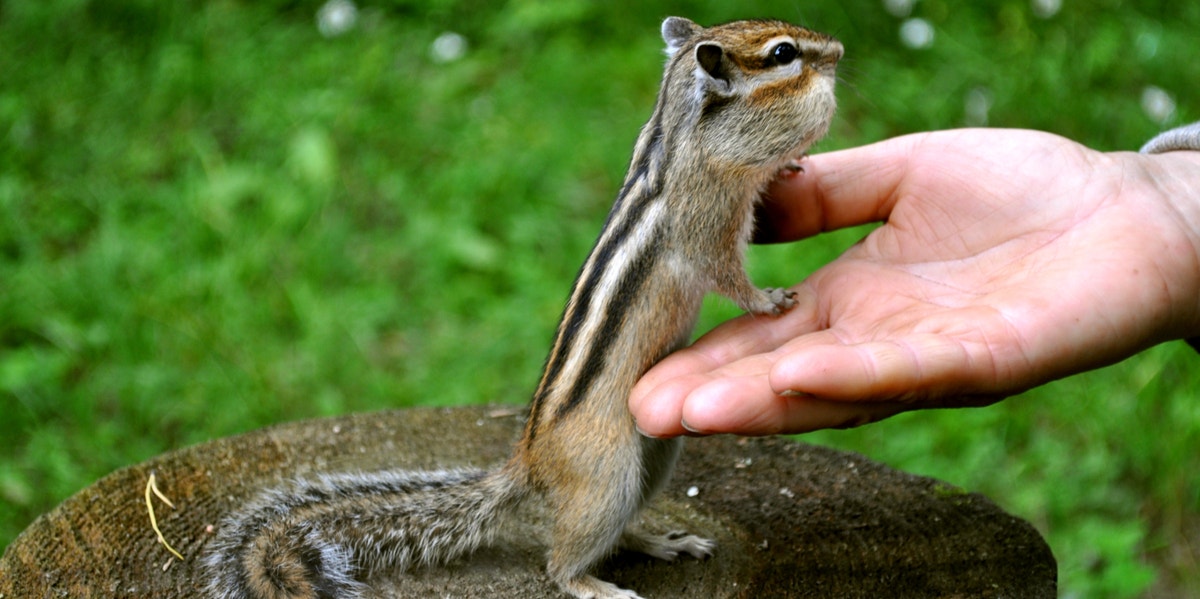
834	51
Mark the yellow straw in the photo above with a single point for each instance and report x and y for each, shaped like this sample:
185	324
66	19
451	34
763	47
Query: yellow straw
152	487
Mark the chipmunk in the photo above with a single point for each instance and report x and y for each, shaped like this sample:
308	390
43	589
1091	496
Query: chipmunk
738	103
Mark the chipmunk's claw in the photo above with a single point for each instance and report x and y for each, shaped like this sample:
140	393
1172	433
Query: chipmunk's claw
794	167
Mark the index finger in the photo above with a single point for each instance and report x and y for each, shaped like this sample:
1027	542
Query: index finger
836	190
657	399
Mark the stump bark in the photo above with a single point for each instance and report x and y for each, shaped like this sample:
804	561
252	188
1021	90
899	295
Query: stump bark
790	520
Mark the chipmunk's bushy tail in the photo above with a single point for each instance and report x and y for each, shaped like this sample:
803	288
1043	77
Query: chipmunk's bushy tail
319	538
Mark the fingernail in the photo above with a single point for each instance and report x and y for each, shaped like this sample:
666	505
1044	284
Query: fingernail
642	432
795	393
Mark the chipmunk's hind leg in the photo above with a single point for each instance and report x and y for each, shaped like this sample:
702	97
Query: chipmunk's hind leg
589	522
582	537
658	460
569	563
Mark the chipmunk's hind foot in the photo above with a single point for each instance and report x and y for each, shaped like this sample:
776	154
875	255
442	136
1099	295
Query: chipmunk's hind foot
667	547
590	587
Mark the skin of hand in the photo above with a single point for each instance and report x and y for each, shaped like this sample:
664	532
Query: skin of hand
1007	259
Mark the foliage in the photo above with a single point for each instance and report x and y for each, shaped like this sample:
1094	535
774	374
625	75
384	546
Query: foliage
213	218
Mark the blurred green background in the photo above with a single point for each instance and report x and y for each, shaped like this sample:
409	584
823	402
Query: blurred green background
219	215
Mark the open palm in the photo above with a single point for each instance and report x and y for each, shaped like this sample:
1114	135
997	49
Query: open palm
1007	259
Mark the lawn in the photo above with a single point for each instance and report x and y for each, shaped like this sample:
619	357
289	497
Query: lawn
219	215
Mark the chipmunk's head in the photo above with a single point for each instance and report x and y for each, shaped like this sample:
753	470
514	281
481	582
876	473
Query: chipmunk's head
757	92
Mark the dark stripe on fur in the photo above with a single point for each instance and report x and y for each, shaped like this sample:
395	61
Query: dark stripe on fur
627	292
582	294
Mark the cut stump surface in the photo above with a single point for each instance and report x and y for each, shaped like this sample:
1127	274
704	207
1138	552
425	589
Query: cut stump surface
790	520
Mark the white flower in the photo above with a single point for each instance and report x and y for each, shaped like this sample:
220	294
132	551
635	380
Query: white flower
448	47
1157	104
916	33
1045	8
976	106
336	17
899	8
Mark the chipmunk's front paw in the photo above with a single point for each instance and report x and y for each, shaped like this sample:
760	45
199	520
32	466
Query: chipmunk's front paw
778	301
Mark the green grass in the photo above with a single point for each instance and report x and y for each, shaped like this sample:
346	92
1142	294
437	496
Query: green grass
212	218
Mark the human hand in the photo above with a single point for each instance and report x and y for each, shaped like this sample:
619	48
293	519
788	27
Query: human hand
1008	259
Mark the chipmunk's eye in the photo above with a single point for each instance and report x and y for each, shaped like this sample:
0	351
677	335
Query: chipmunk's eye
784	53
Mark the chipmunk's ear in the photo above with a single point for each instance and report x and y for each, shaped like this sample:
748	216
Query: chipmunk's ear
714	68
676	31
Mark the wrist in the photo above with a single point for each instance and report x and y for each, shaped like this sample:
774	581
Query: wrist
1175	176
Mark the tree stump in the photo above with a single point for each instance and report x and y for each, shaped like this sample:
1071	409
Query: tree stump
790	520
